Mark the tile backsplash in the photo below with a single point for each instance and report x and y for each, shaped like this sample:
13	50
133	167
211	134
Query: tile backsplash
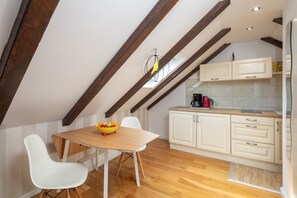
263	94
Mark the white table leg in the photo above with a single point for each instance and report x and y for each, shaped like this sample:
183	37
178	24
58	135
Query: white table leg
65	151
105	184
136	169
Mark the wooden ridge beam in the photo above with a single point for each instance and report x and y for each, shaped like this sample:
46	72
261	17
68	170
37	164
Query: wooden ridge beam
278	20
30	24
180	69
204	22
273	41
157	13
189	75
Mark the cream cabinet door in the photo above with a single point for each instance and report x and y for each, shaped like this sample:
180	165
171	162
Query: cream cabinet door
182	128
216	72
252	68
213	132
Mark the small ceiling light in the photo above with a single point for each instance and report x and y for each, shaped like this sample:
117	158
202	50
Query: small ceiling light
249	28
255	9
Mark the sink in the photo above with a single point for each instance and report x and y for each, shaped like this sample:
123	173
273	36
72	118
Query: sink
251	111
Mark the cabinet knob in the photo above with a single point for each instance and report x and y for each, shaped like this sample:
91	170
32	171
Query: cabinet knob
194	120
251	77
252	143
251	120
215	78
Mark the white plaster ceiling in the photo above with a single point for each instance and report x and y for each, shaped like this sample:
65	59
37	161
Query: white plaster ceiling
83	36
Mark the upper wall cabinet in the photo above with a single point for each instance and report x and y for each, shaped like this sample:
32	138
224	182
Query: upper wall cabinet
216	72
252	68
237	70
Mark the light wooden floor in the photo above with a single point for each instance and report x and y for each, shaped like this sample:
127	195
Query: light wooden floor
170	173
255	176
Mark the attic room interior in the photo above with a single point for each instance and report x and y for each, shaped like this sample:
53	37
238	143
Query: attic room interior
159	98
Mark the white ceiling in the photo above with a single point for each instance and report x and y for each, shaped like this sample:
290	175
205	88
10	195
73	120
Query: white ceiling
83	36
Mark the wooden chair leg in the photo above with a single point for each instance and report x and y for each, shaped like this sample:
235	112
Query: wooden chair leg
68	193
120	163
77	193
120	159
41	193
140	164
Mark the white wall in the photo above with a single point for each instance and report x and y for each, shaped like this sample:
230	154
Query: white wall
158	116
289	188
14	167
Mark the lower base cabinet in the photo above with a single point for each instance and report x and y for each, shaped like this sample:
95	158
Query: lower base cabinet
250	137
213	132
200	130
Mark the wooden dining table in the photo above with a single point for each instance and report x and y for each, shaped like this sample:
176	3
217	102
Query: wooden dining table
125	139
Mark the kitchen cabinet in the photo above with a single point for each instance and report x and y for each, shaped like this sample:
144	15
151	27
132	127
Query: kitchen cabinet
182	128
213	132
216	72
210	132
253	137
252	69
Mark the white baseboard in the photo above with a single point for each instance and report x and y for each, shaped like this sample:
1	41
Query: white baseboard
283	193
31	193
89	165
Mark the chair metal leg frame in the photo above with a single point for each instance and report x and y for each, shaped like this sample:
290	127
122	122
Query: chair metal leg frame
122	160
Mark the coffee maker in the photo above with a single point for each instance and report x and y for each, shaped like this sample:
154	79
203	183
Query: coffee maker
197	100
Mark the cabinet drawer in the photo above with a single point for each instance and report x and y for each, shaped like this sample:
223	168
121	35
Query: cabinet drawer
252	120
257	133
252	150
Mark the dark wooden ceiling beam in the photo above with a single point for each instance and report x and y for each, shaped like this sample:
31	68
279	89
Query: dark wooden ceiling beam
204	22
273	41
157	13
180	69
30	24
189	75
278	20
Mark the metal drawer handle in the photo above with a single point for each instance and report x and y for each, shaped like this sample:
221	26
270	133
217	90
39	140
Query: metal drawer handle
194	118
252	143
197	119
251	77
249	126
253	120
215	78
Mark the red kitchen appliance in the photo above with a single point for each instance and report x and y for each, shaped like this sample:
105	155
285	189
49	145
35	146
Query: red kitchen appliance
205	102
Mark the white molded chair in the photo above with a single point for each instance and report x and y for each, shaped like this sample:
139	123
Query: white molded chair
47	174
131	122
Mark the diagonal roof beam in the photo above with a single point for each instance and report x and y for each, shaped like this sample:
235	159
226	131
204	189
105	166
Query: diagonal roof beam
180	69
278	20
273	41
27	31
158	12
204	22
189	75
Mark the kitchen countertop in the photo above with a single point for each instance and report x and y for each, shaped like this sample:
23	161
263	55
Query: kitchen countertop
271	114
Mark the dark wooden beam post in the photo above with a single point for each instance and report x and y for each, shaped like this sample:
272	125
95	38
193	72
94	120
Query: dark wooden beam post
278	20
273	41
27	31
201	51
204	22
188	75
158	12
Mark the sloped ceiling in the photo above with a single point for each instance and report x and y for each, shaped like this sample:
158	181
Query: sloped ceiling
83	36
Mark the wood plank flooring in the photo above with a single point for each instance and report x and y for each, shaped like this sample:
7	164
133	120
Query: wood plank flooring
170	173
